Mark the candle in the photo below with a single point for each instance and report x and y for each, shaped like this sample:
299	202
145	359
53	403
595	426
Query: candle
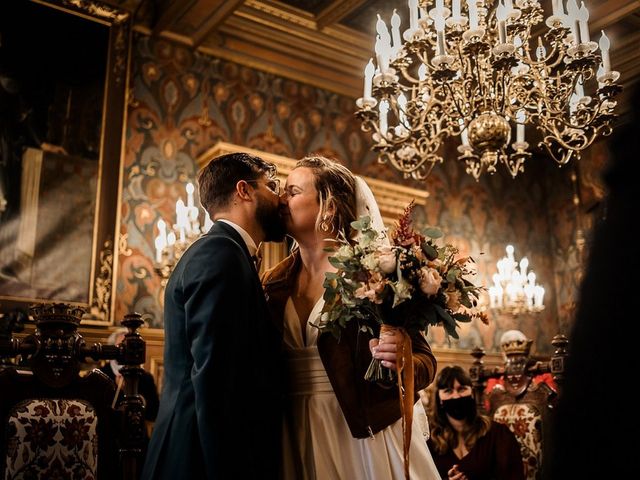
520	117
422	72
159	248
402	104
439	5
473	14
579	89
395	32
384	108
413	14
380	57
190	190
554	7
439	23
604	50
538	298
456	9
501	16
161	239
181	218
583	17
572	9
368	77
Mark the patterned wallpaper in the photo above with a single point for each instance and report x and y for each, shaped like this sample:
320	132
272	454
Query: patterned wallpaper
183	102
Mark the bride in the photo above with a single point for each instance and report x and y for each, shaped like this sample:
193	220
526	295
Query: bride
337	425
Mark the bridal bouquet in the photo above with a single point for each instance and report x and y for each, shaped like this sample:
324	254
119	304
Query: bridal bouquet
409	282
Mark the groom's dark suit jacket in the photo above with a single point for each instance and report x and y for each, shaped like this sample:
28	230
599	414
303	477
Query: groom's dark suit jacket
221	398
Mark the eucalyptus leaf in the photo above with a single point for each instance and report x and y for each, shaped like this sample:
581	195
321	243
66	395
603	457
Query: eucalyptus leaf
432	232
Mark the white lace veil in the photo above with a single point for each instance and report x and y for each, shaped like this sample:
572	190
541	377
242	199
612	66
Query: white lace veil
366	205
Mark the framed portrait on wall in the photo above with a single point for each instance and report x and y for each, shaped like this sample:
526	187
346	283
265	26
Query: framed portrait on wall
63	78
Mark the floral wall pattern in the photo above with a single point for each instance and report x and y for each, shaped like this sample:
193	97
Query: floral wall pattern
183	102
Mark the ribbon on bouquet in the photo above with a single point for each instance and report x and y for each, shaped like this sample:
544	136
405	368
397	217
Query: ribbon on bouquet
404	362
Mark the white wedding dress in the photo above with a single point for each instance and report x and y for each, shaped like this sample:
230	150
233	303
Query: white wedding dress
317	442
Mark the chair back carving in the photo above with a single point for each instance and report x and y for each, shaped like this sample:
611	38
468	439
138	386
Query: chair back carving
517	400
62	424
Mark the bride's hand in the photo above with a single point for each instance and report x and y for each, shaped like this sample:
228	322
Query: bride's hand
385	349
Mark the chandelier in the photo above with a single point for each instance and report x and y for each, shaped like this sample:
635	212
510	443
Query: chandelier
174	239
480	73
514	287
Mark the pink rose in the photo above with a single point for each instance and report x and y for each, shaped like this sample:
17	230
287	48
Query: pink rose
430	280
387	259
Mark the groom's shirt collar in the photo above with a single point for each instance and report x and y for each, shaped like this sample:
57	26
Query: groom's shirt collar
251	245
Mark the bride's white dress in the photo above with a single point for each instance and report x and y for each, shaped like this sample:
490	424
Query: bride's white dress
317	442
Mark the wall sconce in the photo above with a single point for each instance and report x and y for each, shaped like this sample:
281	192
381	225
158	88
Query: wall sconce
173	241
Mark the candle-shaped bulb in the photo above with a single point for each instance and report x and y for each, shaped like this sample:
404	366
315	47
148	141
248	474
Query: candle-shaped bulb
455	5
381	27
473	14
422	72
395	31
583	18
501	16
402	112
509	251
413	14
605	44
438	20
579	91
159	244
368	78
520	118
190	190
171	238
384	109
573	14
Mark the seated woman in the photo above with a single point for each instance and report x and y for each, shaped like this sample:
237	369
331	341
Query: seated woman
465	444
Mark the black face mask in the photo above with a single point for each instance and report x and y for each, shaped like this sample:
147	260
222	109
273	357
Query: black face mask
461	408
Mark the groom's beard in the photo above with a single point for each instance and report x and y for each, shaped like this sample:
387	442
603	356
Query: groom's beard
268	217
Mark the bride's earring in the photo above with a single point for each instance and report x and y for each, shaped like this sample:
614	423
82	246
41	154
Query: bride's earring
324	224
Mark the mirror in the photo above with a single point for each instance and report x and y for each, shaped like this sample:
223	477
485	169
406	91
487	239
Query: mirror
63	78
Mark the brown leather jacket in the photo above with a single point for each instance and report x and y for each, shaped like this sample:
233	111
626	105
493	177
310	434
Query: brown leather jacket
368	407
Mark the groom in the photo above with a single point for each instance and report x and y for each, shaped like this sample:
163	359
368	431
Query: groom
221	350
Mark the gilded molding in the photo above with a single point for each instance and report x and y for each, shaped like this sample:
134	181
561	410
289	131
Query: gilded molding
98	10
103	284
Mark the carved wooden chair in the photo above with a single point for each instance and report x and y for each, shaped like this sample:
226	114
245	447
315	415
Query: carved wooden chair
518	400
59	424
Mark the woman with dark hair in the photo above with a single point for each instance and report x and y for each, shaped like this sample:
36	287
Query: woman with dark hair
337	424
467	445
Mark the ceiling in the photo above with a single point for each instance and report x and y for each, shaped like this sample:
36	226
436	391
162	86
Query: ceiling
327	43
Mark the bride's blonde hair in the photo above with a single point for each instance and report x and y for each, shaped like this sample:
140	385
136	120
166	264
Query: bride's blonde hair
336	187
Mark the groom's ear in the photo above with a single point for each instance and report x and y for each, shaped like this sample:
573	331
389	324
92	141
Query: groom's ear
243	190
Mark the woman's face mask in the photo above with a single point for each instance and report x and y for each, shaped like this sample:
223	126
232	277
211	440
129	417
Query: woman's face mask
461	408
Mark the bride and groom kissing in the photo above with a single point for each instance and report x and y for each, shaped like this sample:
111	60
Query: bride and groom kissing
246	374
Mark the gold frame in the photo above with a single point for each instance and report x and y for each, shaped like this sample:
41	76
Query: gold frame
101	300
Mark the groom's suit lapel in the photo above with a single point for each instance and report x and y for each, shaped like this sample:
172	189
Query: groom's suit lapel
222	228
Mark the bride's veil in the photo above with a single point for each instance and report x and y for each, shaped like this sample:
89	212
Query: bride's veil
366	204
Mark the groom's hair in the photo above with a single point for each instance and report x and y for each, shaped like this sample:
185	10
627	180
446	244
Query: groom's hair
336	187
217	180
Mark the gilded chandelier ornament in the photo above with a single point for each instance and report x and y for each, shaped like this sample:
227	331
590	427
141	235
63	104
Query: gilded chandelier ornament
480	73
